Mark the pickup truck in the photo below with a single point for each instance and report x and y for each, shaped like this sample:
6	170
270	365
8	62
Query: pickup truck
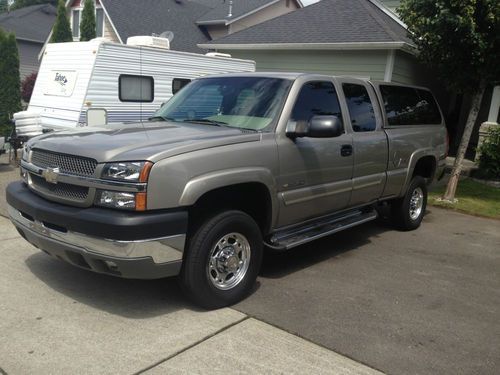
230	166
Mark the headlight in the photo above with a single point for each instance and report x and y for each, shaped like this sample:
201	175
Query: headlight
121	200
137	171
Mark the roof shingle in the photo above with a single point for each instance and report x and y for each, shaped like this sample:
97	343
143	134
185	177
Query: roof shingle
328	21
31	23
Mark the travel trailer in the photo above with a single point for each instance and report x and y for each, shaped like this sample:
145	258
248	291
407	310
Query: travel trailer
100	82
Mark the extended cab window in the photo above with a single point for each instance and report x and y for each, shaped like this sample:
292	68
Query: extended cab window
314	99
360	107
409	106
136	88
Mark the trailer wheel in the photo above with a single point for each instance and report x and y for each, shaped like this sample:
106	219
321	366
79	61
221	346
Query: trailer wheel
407	212
222	260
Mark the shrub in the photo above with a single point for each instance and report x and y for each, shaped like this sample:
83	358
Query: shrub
27	86
489	160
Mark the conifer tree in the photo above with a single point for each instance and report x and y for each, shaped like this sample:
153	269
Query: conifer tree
10	89
87	24
62	30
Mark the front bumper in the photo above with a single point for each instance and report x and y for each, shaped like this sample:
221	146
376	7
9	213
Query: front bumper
136	245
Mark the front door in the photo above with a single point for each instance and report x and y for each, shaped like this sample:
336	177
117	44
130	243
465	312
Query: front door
315	173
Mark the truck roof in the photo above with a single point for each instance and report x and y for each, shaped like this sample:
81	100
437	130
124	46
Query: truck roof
282	75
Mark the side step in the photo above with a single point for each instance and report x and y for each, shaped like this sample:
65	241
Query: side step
289	238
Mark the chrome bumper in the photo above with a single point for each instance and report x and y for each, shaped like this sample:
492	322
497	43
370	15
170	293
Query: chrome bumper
159	257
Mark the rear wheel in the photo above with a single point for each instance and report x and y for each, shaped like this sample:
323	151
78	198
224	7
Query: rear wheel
408	212
222	260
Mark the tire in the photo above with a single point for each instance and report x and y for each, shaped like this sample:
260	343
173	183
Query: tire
407	213
223	260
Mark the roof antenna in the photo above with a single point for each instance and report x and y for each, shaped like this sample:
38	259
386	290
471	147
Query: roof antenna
230	14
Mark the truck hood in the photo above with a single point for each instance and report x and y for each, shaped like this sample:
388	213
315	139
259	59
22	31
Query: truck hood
140	141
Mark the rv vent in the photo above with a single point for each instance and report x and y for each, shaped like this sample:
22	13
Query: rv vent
217	54
149	41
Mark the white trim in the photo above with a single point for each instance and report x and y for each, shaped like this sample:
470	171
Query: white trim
313	46
231	20
389	12
111	23
495	105
389	67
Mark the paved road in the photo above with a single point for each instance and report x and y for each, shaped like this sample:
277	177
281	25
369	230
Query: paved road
422	302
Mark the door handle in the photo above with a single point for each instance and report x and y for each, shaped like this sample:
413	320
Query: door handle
346	150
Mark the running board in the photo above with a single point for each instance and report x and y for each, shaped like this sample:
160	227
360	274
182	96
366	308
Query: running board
297	236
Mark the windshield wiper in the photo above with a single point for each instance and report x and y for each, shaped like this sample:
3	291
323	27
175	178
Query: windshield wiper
160	118
207	121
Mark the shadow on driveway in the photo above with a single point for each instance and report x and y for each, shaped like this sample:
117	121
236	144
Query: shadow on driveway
136	299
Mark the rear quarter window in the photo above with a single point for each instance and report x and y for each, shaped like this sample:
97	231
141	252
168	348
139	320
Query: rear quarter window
409	106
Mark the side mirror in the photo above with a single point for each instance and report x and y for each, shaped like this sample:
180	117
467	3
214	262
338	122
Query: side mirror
318	127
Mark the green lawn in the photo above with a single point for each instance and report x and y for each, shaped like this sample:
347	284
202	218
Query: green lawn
473	198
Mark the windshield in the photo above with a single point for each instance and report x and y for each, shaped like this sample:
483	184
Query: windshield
252	103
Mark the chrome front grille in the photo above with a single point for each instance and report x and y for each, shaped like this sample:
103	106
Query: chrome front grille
67	191
69	164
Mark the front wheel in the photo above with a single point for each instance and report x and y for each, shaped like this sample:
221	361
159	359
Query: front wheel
408	212
222	260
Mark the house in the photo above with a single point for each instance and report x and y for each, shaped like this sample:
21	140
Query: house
191	21
31	26
362	38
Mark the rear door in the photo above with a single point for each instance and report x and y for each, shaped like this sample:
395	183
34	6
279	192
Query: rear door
370	148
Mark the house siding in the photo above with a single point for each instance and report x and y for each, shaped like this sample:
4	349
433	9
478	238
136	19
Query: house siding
392	4
366	64
272	11
28	57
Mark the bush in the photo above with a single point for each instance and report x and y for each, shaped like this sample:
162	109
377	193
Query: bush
27	86
489	160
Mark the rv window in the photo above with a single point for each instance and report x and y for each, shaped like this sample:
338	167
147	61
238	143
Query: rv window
136	88
178	84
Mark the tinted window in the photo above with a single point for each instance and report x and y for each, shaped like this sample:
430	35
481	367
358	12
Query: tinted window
316	98
76	23
178	84
409	106
136	88
429	110
360	107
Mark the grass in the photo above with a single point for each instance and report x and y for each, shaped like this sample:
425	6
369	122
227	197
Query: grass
473	198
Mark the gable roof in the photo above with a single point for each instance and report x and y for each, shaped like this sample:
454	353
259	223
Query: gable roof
327	24
239	9
145	17
32	23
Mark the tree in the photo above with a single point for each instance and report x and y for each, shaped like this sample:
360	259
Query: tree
4	6
62	30
87	25
27	86
10	92
460	40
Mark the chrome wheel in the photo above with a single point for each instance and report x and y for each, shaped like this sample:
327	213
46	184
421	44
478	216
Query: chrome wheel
416	203
229	260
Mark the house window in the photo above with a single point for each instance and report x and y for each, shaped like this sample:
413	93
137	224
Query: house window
76	18
76	22
99	21
136	88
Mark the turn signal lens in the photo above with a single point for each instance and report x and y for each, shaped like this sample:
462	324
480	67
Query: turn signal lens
140	202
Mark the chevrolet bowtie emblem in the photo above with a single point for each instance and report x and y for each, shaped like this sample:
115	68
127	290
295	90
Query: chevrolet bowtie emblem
50	175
